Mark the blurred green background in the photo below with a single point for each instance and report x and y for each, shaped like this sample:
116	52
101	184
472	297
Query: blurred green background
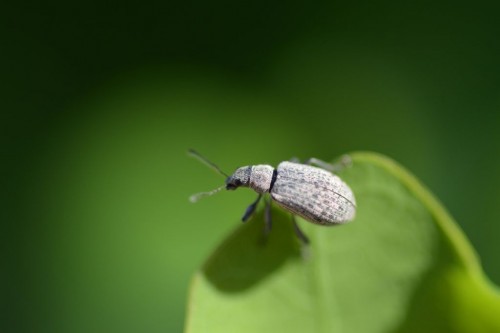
100	102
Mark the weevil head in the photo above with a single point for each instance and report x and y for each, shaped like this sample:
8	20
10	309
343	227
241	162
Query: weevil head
241	177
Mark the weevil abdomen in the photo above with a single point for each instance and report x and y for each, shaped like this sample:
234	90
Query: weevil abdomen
313	193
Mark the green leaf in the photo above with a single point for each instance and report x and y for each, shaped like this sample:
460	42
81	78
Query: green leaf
402	265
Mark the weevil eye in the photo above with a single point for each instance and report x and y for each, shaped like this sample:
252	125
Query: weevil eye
233	184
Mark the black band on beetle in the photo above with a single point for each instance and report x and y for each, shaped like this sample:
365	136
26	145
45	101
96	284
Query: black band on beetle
273	180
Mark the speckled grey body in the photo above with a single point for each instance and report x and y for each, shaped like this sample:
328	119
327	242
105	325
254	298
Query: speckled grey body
313	193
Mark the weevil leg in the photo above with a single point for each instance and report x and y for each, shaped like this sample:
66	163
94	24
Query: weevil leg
251	209
299	232
267	218
345	161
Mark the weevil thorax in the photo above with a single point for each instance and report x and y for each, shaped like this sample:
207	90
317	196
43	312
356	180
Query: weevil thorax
257	177
261	178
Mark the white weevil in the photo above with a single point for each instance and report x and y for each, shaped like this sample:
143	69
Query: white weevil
313	193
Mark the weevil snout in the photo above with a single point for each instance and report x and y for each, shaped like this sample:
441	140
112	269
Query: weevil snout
241	177
232	183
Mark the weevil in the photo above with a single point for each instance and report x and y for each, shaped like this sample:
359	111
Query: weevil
312	192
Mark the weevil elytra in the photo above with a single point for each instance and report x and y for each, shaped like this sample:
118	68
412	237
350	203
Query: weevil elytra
314	193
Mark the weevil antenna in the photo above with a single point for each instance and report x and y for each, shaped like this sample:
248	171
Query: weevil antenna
195	197
205	161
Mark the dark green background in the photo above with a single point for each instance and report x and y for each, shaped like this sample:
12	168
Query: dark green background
100	102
